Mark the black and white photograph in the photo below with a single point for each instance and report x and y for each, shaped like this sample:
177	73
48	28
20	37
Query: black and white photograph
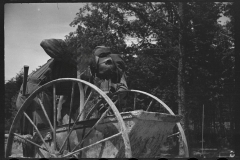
122	79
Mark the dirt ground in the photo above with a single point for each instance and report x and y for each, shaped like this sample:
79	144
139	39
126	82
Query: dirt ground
17	151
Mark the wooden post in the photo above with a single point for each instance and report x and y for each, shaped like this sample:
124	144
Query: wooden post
236	12
54	117
134	102
25	76
182	109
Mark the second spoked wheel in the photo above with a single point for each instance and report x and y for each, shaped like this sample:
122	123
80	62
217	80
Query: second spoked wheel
92	138
140	100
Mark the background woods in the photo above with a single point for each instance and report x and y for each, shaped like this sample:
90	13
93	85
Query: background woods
180	54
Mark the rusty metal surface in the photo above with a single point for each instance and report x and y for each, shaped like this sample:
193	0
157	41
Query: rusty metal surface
182	134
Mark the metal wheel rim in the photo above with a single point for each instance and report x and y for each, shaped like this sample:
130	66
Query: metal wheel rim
170	111
123	131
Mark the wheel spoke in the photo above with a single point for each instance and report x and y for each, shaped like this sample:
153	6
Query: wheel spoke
40	153
85	89
44	146
91	145
81	90
119	99
45	113
70	113
89	114
93	108
150	104
134	103
90	95
30	142
37	131
103	115
54	116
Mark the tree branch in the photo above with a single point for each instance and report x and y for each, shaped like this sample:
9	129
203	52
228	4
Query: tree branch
107	23
226	36
176	13
150	4
145	18
168	63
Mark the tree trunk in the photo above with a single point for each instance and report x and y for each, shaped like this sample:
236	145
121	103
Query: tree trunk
221	135
231	100
237	77
181	88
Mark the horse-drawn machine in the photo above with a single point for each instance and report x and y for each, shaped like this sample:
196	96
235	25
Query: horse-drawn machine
84	133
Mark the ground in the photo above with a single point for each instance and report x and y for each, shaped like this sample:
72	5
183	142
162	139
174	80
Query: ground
17	151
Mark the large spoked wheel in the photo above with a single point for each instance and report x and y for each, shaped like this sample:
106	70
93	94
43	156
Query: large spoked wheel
51	143
142	100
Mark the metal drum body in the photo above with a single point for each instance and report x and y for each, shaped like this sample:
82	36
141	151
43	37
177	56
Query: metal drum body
147	132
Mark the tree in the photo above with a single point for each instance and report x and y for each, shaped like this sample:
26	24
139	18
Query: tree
105	30
181	69
198	75
237	75
12	88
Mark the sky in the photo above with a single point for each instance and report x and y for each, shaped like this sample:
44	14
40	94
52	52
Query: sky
26	25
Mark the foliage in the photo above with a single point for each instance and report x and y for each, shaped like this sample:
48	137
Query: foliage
12	88
153	65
